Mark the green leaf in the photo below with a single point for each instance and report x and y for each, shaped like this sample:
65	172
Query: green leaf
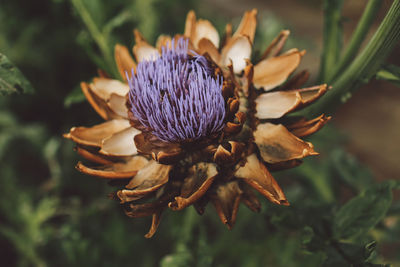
350	254
11	78
390	73
74	97
363	212
350	170
369	249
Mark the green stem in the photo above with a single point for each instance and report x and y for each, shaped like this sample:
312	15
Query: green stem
358	37
332	36
365	66
98	37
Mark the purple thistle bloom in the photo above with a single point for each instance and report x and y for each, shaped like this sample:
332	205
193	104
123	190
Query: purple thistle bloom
176	95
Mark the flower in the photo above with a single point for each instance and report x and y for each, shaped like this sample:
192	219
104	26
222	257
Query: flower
194	121
183	97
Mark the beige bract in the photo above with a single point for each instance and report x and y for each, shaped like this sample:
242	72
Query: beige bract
227	168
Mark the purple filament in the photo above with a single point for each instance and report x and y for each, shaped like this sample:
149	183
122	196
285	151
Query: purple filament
176	95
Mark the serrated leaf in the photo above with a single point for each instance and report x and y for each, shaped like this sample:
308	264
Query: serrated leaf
363	212
11	78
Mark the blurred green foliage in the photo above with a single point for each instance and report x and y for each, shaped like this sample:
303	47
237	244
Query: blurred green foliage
51	215
12	80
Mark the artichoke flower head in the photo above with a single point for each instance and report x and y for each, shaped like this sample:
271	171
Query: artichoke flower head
195	121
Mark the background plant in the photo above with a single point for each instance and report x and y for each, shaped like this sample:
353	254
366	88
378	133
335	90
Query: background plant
53	216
